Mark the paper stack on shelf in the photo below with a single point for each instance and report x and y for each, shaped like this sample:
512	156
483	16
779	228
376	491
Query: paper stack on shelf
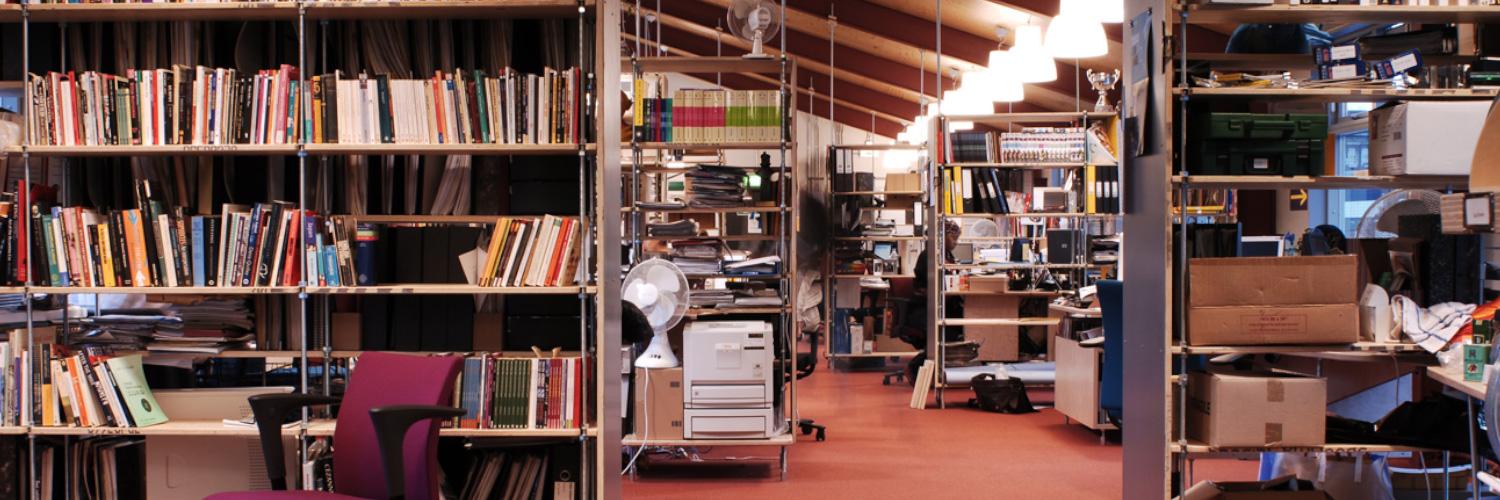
711	297
710	186
698	256
684	228
761	298
209	325
756	266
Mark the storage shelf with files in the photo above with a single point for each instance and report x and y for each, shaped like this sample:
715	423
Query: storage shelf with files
1365	347
1265	61
714	146
709	64
287	10
700	276
882	147
733	237
1032	215
858	276
778	440
1016	265
167	150
1010	293
1197	448
1295	13
1324	182
342	354
1341	95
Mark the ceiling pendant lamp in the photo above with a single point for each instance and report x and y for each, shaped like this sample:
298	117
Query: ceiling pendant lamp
1076	33
1001	81
1030	59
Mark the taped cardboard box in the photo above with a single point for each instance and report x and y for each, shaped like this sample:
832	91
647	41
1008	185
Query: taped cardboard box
661	402
1273	300
990	283
1232	410
1287	487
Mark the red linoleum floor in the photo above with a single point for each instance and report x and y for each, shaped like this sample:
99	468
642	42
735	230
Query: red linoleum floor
879	448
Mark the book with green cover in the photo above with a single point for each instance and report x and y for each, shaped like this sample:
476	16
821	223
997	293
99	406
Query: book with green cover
131	380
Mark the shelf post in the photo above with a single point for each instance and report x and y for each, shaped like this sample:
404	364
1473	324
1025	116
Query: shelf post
607	278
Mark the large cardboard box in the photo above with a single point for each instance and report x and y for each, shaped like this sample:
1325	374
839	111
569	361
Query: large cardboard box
1425	138
1229	410
996	342
662	401
989	283
1273	300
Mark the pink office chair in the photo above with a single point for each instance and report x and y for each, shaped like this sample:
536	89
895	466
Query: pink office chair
390	397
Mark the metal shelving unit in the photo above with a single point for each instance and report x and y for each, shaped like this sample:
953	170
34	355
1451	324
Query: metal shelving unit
1158	453
779	216
598	34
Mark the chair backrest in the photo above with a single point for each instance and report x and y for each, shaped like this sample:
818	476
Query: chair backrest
384	379
1111	384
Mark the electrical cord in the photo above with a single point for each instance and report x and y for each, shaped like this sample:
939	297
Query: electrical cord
645	422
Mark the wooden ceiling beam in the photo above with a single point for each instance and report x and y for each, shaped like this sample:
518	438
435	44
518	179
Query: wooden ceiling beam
808	64
960	50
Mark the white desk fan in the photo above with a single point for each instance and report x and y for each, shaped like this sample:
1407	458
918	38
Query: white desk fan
660	290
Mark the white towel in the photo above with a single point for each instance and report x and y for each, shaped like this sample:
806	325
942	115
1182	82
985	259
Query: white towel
1434	327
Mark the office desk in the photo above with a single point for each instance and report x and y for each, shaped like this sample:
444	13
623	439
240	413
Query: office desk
998	342
1454	379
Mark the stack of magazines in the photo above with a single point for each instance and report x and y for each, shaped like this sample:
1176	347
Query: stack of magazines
208	325
698	256
715	186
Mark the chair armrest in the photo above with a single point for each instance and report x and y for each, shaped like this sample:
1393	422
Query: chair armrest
391	424
270	411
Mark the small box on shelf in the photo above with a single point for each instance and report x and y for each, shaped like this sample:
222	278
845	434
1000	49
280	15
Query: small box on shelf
658	403
1228	410
1425	138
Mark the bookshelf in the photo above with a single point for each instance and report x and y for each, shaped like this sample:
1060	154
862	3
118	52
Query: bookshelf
762	228
596	26
1079	214
875	181
1158	453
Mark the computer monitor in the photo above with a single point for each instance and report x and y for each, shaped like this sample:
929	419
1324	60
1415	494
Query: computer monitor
1262	246
886	250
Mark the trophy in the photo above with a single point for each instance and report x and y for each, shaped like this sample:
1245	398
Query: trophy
1103	82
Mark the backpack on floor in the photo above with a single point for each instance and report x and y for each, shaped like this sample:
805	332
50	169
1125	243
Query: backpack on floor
1006	395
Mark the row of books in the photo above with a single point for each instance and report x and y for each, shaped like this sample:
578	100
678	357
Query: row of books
533	251
523	474
706	116
243	246
1043	145
152	107
977	190
459	107
516	393
96	388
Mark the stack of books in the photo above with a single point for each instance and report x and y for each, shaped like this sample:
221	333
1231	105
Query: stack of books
97	388
698	256
706	116
520	474
459	107
208	325
1043	145
153	107
533	251
515	393
973	146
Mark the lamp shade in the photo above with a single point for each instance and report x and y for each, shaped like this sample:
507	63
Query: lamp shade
1108	11
1075	33
1029	57
998	83
967	101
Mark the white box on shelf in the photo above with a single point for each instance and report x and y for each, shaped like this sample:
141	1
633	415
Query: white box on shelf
1425	138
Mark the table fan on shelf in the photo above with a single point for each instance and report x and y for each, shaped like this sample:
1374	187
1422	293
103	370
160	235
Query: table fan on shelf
756	21
660	290
984	236
1384	215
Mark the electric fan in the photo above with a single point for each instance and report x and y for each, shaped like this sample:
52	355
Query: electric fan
660	290
1381	219
756	21
983	234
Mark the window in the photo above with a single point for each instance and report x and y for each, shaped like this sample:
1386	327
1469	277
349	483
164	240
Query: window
1344	208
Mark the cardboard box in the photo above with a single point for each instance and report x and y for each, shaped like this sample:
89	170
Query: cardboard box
1426	137
887	343
996	342
1282	488
994	283
910	181
1273	300
664	398
1229	410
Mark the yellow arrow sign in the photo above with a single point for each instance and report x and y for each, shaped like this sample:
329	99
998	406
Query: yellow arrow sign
1299	199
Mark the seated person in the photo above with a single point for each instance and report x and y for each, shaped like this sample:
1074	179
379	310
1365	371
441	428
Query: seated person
914	329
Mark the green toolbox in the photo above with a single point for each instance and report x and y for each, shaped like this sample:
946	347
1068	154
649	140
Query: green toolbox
1256	144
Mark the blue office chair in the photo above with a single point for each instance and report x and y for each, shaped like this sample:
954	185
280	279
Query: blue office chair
1111	387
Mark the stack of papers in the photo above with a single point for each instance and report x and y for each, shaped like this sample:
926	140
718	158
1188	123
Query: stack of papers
683	228
206	326
712	297
756	266
698	256
711	186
